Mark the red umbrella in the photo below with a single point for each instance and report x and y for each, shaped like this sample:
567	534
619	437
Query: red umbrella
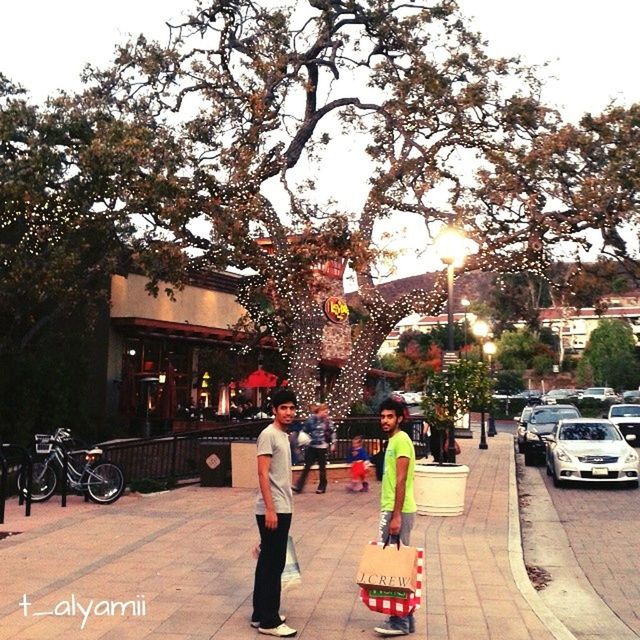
169	399
259	378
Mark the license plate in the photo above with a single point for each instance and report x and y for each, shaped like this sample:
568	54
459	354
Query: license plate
600	471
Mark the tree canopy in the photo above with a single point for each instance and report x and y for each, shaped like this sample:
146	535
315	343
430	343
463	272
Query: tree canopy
611	355
217	140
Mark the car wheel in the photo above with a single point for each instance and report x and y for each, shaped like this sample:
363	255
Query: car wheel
549	473
529	458
520	446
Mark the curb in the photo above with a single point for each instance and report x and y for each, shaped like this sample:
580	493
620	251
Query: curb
516	560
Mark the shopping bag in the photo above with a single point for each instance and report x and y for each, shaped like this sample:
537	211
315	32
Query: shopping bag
388	566
392	602
291	574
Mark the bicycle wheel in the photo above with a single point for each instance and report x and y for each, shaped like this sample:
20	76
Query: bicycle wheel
43	482
104	482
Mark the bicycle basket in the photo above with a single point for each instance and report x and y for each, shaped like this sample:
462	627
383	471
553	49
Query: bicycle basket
44	443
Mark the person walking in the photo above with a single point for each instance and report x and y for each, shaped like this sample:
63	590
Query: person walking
323	436
274	507
397	501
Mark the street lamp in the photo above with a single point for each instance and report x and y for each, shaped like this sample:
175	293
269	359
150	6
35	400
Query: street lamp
465	302
490	349
480	329
451	249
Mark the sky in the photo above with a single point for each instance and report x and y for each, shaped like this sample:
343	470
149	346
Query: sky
591	49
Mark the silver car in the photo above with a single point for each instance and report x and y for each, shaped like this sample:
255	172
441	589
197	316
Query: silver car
591	450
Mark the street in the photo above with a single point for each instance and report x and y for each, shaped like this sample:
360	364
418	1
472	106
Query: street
584	537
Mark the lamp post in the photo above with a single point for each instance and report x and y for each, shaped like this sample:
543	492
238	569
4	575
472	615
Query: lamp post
490	349
481	330
451	249
465	302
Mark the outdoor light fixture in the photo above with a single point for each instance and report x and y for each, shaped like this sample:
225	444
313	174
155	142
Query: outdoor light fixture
465	302
451	249
490	349
481	330
132	352
162	378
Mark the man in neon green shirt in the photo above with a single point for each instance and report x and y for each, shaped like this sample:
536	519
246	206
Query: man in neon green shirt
397	501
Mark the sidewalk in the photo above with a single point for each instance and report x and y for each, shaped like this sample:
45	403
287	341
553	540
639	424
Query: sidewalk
183	560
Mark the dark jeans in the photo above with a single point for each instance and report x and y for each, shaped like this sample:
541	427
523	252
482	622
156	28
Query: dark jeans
271	561
314	454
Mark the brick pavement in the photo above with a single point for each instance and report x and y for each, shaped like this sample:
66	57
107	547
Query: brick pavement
187	553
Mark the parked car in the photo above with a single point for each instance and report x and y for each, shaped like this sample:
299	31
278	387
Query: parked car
627	418
552	397
601	393
521	427
412	398
591	450
542	422
633	395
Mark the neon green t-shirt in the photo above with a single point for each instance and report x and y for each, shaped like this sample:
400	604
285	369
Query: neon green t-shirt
400	446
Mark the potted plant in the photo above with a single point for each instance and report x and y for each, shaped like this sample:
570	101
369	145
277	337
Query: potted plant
440	486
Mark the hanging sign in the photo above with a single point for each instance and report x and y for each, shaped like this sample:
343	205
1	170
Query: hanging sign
336	309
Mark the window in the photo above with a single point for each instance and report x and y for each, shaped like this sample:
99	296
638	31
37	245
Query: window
588	431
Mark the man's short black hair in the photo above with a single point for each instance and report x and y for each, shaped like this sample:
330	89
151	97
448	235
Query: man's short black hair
282	396
389	404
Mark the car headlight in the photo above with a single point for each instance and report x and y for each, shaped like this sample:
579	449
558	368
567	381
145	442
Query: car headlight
562	455
631	457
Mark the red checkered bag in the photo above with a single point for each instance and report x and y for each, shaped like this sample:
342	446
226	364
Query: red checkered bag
397	606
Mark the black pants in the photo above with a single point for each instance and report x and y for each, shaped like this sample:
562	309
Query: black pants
314	454
271	561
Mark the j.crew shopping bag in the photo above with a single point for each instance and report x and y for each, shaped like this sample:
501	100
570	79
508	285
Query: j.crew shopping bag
385	566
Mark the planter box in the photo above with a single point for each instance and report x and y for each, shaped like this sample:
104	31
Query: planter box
440	489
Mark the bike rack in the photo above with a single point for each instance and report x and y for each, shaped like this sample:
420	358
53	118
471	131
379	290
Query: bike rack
25	473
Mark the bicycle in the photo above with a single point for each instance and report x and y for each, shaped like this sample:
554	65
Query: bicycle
101	481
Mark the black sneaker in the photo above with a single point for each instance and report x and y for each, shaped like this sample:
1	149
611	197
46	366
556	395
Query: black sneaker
321	490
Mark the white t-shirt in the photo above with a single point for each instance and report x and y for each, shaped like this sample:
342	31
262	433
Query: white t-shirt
275	443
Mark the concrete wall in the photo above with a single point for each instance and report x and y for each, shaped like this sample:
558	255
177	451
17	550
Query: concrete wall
193	305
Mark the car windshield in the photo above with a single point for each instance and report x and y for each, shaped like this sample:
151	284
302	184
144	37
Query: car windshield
625	412
595	391
553	415
588	431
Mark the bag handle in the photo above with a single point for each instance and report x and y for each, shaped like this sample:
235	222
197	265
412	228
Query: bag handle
389	536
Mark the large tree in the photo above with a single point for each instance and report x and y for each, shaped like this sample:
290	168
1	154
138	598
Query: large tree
611	355
258	96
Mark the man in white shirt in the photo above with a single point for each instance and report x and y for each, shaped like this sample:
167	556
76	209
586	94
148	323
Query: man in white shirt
274	506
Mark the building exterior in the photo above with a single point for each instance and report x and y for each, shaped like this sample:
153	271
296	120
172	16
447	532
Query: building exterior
156	348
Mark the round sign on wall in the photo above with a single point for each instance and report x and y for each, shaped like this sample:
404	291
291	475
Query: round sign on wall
336	309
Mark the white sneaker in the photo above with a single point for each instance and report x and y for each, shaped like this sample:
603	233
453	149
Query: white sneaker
256	623
283	631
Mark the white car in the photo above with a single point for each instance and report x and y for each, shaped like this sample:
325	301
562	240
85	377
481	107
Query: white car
591	450
412	398
600	393
627	418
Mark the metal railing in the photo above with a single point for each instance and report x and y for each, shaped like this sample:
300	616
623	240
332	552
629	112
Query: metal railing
177	456
18	464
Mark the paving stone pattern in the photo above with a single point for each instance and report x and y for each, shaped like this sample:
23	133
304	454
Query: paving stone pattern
188	554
